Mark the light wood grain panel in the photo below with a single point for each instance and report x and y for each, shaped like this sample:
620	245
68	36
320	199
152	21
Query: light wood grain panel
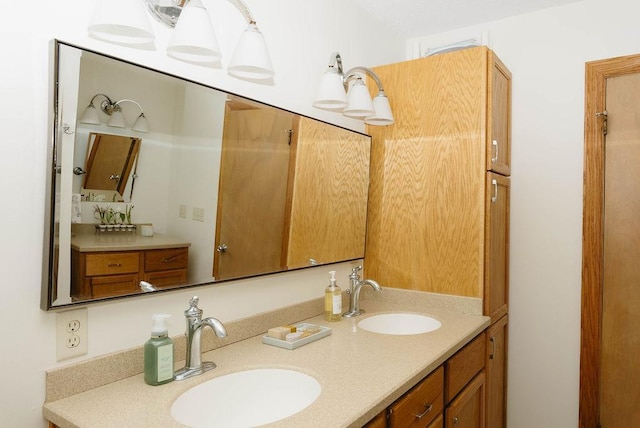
426	211
329	198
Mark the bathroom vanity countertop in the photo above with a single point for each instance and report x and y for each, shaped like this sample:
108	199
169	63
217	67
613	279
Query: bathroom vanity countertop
123	241
360	372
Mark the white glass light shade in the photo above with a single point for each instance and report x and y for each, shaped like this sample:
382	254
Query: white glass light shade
141	124
360	105
331	95
90	115
121	21
251	58
193	38
382	111
117	120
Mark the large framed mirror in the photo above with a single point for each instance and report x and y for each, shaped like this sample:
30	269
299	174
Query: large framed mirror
213	187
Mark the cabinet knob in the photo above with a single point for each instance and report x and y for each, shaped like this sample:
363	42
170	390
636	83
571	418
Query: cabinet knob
222	248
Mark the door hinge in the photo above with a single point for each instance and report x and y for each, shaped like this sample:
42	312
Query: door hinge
605	115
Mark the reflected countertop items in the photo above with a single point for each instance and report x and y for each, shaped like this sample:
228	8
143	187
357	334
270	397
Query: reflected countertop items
125	241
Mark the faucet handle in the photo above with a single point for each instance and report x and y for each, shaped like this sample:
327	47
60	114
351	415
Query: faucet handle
193	310
355	272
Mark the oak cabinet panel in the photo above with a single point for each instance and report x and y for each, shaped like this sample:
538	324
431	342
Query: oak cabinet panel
421	405
467	410
496	373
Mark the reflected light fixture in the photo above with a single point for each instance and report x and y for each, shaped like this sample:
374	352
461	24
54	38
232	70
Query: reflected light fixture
114	111
347	93
193	39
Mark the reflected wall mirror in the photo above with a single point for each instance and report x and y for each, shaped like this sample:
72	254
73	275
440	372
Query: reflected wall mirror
225	187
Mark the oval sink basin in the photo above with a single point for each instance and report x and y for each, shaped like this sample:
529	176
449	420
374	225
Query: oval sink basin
399	323
246	399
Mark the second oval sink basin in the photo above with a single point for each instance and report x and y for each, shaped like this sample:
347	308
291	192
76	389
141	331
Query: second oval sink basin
246	399
399	324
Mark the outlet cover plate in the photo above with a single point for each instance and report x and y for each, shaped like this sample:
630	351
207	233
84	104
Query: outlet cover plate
72	331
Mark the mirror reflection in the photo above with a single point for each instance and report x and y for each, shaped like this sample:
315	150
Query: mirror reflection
109	168
225	187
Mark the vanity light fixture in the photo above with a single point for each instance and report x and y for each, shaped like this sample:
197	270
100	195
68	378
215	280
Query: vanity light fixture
114	111
347	93
193	39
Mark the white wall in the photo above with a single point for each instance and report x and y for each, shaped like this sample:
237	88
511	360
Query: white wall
546	52
301	35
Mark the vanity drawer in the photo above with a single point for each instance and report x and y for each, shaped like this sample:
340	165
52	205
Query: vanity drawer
167	278
111	263
168	259
463	366
116	285
421	405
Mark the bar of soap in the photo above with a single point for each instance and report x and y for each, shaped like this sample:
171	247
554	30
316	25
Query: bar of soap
293	336
279	332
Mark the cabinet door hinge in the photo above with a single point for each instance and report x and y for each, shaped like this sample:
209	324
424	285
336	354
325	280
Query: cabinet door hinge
604	115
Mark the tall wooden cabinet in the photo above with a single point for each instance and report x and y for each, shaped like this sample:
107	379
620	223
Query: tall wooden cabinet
439	196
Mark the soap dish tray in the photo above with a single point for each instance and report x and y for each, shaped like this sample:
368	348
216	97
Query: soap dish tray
324	332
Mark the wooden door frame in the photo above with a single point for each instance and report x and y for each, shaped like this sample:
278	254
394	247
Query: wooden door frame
596	75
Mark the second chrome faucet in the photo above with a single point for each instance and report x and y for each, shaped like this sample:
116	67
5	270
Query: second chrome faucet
354	292
194	364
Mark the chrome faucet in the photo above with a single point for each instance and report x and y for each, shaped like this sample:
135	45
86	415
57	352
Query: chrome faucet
194	364
354	292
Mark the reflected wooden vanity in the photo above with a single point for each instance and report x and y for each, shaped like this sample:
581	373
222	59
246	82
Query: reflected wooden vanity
113	264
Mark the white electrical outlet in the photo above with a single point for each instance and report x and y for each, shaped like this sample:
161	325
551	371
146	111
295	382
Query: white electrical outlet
198	214
182	211
71	334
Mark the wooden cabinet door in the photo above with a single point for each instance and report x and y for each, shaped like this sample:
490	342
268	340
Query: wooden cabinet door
499	117
380	421
496	273
467	410
496	374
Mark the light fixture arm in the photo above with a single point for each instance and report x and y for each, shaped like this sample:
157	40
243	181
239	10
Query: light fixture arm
244	10
168	15
107	105
335	61
117	105
374	76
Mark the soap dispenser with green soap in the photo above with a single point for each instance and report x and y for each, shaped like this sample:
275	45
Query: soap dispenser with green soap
333	300
158	353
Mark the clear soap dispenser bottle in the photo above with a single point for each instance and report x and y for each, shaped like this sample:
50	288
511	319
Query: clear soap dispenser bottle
333	300
158	353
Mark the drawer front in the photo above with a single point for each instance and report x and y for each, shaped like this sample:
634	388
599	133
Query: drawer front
167	278
116	285
463	366
168	259
112	263
421	405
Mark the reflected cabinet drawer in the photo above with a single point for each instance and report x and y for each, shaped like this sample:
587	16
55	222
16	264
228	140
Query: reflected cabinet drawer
167	259
421	405
111	263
